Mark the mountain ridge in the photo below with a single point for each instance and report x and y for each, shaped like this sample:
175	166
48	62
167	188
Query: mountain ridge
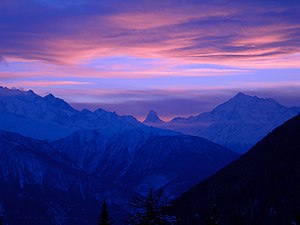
261	187
237	124
52	117
114	157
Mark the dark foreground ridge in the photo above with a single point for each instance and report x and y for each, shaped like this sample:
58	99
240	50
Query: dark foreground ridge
262	187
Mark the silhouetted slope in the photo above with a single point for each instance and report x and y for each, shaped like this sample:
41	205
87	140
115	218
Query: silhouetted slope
262	187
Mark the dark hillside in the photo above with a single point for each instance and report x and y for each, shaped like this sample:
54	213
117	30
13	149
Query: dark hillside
262	187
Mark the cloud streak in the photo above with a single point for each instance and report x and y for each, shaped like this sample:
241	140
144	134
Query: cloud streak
228	34
150	54
45	83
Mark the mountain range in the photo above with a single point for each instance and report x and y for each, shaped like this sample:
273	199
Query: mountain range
58	163
237	124
52	118
73	159
261	187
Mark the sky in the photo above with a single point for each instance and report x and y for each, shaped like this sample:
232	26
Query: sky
177	57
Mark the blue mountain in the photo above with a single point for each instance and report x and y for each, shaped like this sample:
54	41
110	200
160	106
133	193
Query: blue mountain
237	124
51	148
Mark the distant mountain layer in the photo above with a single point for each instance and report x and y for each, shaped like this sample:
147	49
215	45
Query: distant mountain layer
237	124
52	118
91	156
262	187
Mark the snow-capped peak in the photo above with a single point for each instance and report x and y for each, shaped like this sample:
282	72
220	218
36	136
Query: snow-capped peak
243	103
152	117
52	118
59	103
237	123
241	95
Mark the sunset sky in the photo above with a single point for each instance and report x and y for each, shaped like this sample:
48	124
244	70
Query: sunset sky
177	57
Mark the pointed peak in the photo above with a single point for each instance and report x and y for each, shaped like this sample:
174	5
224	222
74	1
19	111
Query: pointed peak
31	92
58	102
241	95
50	96
152	112
152	117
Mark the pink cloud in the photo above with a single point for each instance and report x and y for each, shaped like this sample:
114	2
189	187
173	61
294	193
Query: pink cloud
34	84
226	34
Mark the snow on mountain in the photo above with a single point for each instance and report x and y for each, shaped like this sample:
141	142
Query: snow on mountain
52	118
152	117
237	124
96	153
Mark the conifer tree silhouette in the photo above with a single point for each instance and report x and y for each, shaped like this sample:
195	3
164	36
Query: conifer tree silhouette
150	211
104	216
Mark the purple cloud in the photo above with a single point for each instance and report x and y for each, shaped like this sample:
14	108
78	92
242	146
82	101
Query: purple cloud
61	32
